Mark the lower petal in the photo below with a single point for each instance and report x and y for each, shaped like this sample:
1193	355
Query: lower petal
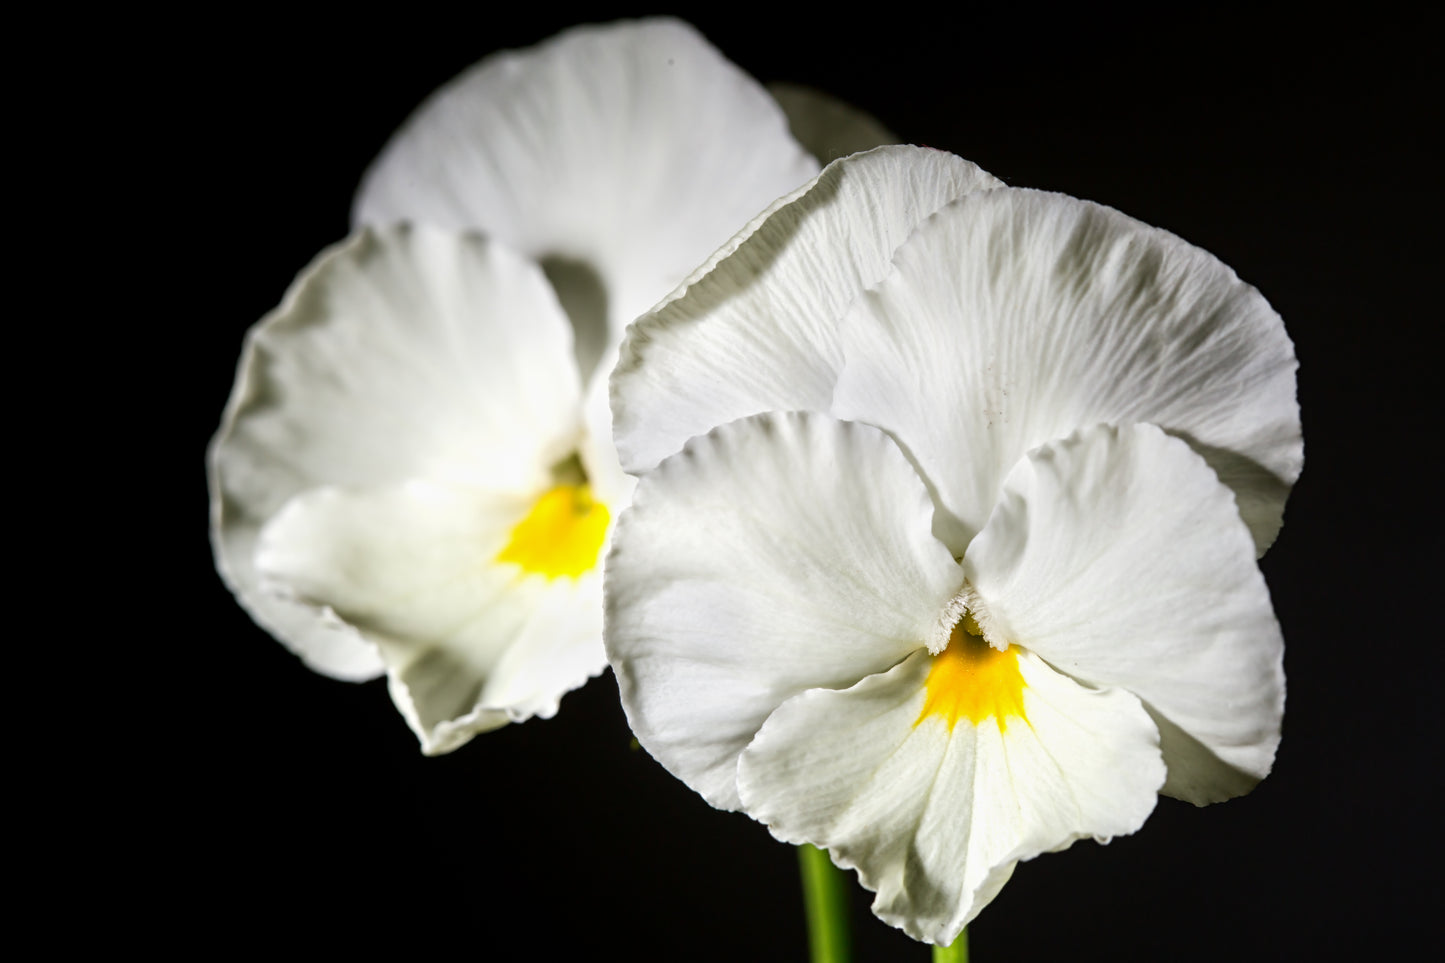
934	814
470	640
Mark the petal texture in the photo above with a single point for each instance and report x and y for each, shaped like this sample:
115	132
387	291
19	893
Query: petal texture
397	355
934	820
619	155
1117	556
779	553
470	642
756	329
1014	317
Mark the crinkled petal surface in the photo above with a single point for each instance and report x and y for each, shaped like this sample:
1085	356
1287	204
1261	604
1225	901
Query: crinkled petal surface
1117	556
756	328
470	642
1014	317
397	355
934	818
624	153
777	554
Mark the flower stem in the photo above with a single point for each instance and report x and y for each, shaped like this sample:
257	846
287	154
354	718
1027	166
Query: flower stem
956	952
825	898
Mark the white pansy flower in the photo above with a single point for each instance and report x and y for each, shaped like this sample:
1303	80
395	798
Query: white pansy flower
963	569
415	475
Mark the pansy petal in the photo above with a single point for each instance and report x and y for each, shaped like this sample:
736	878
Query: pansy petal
935	817
398	354
470	641
598	450
756	327
630	151
1014	317
1117	556
825	125
776	554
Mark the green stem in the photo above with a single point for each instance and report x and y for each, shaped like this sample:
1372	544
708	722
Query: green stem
825	897
955	953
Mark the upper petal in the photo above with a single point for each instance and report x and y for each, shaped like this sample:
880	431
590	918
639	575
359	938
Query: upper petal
935	817
1014	317
779	553
1117	556
756	328
396	355
626	152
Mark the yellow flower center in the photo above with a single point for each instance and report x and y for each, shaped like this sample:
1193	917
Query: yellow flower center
972	680
562	535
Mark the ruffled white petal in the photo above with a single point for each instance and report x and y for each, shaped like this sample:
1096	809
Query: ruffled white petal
776	554
935	820
469	642
755	329
397	355
826	126
1014	317
1118	556
628	151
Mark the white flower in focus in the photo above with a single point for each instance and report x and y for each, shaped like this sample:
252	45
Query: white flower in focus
415	472
964	570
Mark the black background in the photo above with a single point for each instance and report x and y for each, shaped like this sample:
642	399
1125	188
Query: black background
295	810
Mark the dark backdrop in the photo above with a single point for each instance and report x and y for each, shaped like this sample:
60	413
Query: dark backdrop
297	810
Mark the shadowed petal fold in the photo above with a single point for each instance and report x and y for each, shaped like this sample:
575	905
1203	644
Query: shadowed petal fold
826	126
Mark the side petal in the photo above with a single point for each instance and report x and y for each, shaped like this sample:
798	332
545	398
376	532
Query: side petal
1015	317
630	150
755	329
470	642
397	354
826	126
934	818
776	554
1117	556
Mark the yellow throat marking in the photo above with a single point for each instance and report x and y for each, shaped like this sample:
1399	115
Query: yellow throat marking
972	680
561	536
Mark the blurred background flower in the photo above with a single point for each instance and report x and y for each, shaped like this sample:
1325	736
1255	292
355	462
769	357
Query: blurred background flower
418	420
